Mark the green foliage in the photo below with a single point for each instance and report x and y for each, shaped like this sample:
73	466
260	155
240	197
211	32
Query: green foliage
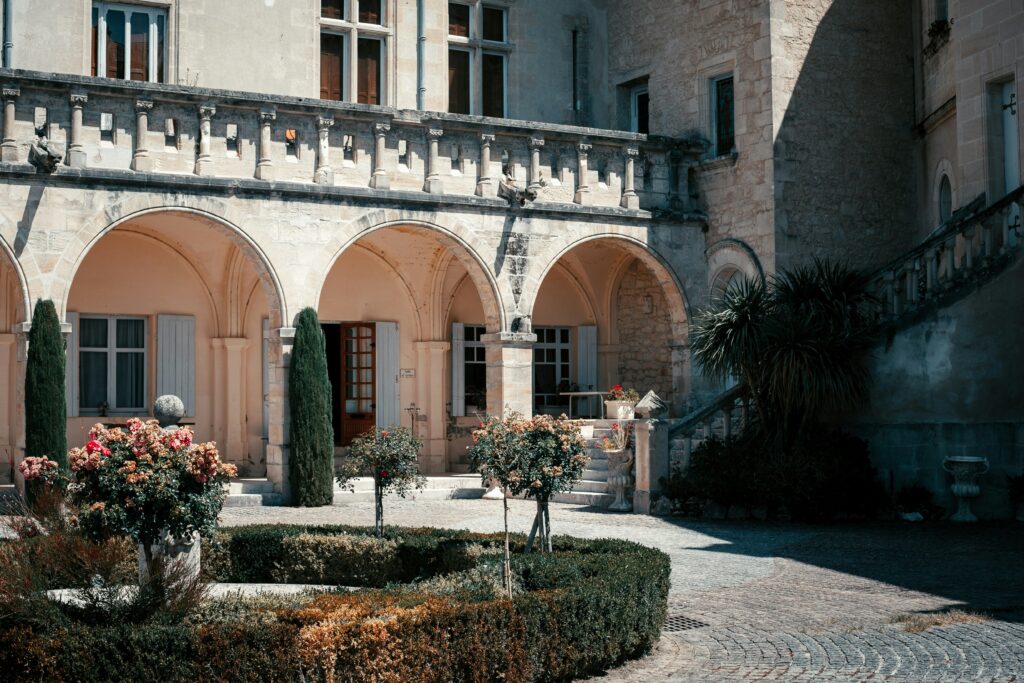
45	397
311	453
918	498
585	607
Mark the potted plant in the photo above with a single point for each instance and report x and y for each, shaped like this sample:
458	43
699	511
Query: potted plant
621	403
1016	486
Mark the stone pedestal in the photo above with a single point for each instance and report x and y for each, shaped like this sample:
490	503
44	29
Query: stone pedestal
173	551
510	372
620	479
965	470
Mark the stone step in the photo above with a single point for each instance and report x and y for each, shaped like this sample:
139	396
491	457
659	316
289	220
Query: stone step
464	492
598	465
583	498
244	500
595	475
450	481
250	486
591	486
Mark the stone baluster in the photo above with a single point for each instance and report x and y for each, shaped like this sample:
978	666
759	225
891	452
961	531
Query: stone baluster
380	180
323	174
483	183
916	294
932	273
950	248
889	297
536	145
204	160
745	411
265	164
987	243
897	294
76	150
630	199
433	183
727	421
708	429
9	146
968	241
141	159
582	196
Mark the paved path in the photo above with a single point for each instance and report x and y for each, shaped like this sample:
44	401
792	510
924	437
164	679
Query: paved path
786	602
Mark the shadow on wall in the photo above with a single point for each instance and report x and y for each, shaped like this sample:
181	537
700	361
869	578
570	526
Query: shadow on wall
844	151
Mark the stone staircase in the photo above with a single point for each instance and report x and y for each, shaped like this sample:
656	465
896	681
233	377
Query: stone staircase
258	492
593	488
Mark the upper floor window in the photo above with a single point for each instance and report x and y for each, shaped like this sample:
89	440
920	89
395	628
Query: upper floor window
353	50
370	12
639	109
128	41
332	9
478	55
458	19
945	199
723	115
495	24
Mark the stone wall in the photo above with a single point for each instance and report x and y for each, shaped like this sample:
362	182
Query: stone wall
645	360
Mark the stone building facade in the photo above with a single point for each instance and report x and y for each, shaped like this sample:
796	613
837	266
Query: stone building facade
488	202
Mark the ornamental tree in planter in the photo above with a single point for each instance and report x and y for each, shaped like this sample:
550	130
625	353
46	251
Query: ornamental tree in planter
311	456
45	399
390	457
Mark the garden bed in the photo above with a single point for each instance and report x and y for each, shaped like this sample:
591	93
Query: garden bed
431	610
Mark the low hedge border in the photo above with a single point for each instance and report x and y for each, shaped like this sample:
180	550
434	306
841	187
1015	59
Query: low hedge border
588	606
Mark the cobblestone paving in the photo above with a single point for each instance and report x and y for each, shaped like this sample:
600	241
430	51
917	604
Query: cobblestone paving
786	602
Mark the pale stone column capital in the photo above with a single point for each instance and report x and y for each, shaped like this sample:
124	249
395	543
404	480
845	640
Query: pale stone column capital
434	133
486	139
536	142
143	106
323	123
207	111
10	92
381	128
78	99
584	149
632	152
267	116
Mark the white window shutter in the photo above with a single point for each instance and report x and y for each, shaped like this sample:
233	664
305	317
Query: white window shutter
586	361
71	367
388	409
176	359
458	369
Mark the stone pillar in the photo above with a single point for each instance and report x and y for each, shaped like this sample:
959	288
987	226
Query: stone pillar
483	183
431	359
141	160
630	199
380	180
204	160
536	144
433	182
652	462
281	341
8	385
682	377
582	182
9	147
608	365
232	379
265	165
323	174
76	151
510	372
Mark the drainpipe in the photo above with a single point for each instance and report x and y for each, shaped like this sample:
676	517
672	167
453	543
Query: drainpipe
421	44
8	32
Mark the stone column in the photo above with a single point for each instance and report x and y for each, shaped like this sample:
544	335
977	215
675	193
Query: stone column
204	160
630	199
652	462
7	383
682	376
483	183
141	160
281	341
582	183
510	372
323	174
76	151
536	144
380	180
433	182
265	165
9	147
430	382
232	393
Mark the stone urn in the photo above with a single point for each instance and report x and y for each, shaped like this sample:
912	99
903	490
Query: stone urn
965	470
619	410
174	551
620	479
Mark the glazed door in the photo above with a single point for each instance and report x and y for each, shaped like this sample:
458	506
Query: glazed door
359	406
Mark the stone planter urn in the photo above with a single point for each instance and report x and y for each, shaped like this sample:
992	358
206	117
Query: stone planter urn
619	410
965	470
620	479
174	551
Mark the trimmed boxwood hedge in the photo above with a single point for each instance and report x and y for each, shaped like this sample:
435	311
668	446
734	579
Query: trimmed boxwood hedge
586	607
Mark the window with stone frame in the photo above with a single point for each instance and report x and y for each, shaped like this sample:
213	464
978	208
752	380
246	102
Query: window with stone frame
478	58
112	353
723	115
353	51
639	109
332	66
371	71
129	42
552	360
475	367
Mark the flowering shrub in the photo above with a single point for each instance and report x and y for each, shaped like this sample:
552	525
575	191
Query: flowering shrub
618	440
390	457
42	470
145	482
617	393
537	457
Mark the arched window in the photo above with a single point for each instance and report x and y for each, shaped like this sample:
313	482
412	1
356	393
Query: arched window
945	199
725	279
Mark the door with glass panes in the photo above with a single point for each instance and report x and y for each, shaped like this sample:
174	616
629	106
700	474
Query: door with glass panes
551	362
358	408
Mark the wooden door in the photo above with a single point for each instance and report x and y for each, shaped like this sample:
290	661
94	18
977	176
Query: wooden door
359	405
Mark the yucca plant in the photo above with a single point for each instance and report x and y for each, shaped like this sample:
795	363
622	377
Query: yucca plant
800	342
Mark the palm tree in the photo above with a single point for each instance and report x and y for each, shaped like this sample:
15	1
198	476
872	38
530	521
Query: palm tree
800	343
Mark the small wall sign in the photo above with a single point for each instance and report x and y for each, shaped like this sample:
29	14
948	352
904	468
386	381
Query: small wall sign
406	373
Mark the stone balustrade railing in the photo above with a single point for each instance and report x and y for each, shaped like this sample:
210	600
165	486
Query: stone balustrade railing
156	128
974	245
725	415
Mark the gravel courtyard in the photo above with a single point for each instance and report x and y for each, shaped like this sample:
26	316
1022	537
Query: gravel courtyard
787	602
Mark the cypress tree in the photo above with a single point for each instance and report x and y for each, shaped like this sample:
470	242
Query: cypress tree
311	456
45	398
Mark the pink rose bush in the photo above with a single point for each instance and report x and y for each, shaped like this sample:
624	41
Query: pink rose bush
42	470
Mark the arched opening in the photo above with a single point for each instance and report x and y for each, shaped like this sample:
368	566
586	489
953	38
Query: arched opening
404	309
607	312
13	310
174	302
945	199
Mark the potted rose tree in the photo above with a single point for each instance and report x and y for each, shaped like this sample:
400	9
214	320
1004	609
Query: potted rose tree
390	457
151	484
621	403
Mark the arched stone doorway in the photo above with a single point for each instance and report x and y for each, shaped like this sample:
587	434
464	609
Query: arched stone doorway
405	309
177	301
608	311
14	310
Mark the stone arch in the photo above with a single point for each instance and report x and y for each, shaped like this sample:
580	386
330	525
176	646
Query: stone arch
235	234
727	259
484	280
23	312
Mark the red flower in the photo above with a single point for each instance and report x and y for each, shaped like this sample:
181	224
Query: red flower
384	433
94	447
384	474
617	387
